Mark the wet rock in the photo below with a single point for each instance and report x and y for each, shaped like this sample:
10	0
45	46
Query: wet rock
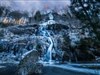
29	64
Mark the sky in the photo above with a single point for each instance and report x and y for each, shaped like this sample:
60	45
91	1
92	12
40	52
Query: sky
29	5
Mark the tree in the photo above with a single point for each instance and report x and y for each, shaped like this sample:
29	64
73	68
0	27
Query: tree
4	11
38	16
88	11
16	14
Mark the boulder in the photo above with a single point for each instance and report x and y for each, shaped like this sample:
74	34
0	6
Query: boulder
29	64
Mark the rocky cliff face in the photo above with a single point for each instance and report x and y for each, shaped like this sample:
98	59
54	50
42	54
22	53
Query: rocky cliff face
19	39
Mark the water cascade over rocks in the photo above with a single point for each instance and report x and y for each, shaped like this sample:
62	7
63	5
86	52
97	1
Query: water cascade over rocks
46	33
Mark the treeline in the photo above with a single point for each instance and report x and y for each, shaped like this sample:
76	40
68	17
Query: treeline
9	16
88	12
88	48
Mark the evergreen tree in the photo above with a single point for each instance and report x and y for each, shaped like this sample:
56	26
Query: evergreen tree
88	11
38	16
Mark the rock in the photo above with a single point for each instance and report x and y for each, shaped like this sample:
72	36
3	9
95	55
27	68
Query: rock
4	46
1	33
29	64
25	29
57	27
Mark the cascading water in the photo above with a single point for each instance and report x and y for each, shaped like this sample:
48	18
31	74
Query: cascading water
49	52
46	33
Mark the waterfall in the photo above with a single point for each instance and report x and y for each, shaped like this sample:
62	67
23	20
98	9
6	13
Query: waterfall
49	52
48	55
46	33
